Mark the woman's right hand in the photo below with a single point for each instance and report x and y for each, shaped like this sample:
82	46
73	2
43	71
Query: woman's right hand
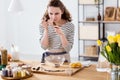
44	23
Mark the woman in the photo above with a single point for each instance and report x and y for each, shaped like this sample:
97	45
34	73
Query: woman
57	31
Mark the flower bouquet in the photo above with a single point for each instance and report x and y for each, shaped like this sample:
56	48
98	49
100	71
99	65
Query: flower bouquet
111	51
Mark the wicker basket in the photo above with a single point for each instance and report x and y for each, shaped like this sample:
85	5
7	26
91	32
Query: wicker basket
90	50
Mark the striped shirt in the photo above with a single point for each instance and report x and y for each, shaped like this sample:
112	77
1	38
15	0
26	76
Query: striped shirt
54	39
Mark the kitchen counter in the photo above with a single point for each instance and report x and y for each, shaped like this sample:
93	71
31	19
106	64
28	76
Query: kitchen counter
88	73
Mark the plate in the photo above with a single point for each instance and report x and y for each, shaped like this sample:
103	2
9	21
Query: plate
17	78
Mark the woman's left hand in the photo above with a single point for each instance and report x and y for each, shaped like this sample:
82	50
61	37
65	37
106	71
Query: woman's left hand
58	30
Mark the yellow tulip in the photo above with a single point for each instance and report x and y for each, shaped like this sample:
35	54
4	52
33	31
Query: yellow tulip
118	38
112	39
108	48
117	35
99	43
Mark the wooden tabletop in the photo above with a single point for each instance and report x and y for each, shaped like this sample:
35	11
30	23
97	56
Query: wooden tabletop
88	73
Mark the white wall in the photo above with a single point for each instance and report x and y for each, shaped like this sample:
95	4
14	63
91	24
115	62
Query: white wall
23	30
2	24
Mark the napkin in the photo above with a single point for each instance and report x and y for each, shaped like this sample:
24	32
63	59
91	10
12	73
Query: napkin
86	63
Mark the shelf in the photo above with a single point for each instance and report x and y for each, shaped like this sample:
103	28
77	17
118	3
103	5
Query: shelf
89	21
92	56
111	22
89	39
90	4
107	22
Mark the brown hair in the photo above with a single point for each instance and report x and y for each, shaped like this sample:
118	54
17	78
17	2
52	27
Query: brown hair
57	3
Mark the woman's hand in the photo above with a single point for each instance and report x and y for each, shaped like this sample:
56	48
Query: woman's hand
44	23
50	22
58	30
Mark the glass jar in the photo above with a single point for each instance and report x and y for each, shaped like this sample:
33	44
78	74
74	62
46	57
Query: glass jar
115	72
15	53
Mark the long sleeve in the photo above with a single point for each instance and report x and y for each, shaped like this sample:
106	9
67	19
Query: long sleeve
70	38
42	32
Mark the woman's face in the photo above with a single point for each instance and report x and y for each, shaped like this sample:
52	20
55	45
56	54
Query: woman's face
55	13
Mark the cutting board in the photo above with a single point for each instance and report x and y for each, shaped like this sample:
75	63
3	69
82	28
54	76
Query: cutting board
63	70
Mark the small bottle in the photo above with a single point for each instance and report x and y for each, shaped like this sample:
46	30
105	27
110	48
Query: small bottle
0	54
4	58
0	57
99	17
4	72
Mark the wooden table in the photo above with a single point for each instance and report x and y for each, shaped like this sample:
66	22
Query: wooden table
88	73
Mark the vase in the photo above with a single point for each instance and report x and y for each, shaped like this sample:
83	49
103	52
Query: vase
115	72
102	64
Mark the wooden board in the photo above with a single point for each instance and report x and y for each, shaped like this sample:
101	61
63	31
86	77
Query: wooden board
63	70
